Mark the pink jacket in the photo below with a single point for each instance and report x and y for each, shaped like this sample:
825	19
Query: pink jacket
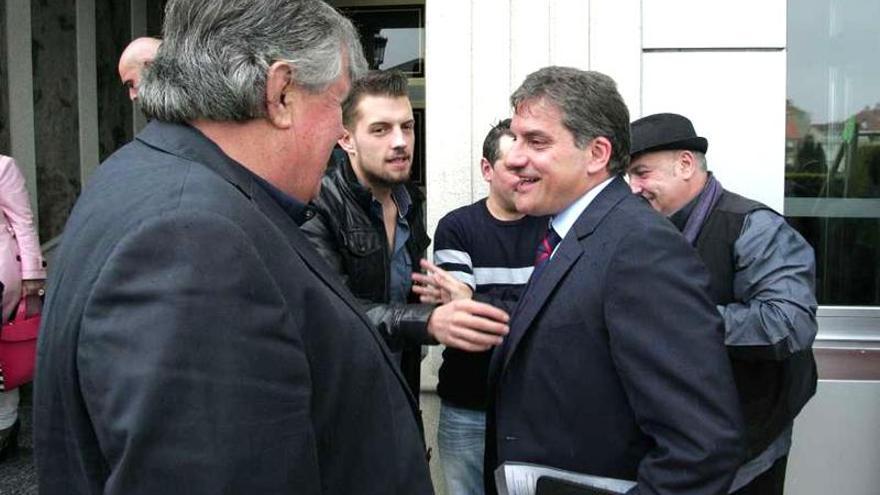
20	256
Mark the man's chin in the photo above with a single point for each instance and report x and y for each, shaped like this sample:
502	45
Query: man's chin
398	177
524	205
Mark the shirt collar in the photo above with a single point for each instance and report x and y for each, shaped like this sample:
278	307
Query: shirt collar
401	198
296	210
563	221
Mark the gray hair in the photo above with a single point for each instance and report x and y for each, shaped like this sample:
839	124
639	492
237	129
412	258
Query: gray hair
701	160
590	105
215	56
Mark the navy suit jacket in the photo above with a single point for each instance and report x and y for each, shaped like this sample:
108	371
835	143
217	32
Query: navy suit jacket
193	342
615	363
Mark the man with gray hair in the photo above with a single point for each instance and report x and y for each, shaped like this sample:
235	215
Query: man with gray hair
615	363
194	342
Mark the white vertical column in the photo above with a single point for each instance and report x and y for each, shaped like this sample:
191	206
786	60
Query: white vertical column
616	46
87	88
529	38
21	94
570	33
491	79
448	97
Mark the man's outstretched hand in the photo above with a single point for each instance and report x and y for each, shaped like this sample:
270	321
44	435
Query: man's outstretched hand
437	286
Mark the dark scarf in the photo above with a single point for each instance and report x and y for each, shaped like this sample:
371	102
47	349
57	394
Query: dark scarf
708	199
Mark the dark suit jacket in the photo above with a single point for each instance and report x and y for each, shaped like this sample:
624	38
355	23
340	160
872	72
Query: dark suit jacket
615	363
193	342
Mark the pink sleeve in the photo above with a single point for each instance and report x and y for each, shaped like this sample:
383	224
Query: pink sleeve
15	205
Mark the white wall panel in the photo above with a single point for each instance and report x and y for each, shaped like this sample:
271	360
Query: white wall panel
737	101
836	445
570	33
529	38
448	95
492	80
713	24
616	46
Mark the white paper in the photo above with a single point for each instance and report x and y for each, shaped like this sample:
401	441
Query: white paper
521	478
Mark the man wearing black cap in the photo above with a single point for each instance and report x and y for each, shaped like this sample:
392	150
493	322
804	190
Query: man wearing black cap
762	280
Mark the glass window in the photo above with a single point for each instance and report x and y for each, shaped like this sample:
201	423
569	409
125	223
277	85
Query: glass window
832	144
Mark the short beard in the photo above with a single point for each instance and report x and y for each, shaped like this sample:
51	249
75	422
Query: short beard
385	181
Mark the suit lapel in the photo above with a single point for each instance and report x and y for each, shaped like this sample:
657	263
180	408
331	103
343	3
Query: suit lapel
539	291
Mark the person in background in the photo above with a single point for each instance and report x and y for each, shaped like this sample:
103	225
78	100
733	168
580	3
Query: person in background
22	273
762	275
137	55
489	247
369	226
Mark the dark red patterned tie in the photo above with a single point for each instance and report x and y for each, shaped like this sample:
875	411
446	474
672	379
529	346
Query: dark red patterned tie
545	249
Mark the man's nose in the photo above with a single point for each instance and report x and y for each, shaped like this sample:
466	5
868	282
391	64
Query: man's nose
398	138
635	185
515	157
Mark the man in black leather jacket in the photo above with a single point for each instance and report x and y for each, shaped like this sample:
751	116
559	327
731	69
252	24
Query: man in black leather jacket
369	226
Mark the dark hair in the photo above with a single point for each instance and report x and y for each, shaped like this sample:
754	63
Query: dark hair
392	83
590	105
490	144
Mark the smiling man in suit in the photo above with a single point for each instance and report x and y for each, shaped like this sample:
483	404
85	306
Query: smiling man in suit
193	341
615	362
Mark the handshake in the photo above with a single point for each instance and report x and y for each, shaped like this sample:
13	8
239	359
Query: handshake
458	321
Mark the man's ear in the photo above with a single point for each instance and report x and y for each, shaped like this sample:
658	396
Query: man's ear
346	142
280	94
686	164
486	169
598	154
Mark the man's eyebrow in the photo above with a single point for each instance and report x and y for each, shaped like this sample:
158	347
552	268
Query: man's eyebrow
535	133
388	122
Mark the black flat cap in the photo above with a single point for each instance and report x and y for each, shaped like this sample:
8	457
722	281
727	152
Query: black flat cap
665	131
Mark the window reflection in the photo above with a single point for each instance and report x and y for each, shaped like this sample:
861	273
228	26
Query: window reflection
832	144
